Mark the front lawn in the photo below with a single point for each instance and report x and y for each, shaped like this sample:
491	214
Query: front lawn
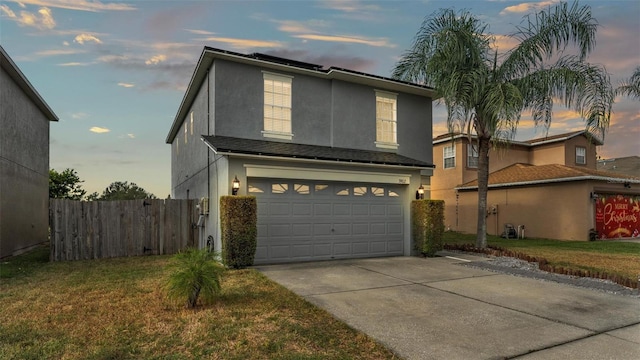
621	258
117	309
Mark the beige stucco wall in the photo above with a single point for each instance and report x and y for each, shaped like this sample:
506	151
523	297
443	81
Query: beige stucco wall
552	211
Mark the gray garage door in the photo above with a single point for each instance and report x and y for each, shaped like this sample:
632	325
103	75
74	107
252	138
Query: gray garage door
302	220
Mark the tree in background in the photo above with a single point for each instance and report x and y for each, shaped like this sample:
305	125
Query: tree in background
485	92
119	190
631	87
65	185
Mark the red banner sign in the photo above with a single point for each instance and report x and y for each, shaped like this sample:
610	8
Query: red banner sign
618	216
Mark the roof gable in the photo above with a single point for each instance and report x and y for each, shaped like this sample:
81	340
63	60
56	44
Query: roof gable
14	73
529	143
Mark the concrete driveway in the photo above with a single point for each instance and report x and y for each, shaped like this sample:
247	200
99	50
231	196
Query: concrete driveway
437	309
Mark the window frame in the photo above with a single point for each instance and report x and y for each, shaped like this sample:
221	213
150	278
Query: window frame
451	156
286	107
471	150
386	139
584	155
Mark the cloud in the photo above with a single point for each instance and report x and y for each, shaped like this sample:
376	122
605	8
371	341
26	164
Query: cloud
294	26
380	42
83	38
80	5
350	6
79	115
199	32
43	20
74	63
156	59
58	52
244	44
99	130
131	136
527	7
126	85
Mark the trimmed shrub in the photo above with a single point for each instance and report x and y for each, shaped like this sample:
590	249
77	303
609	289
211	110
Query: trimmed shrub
427	225
195	274
238	222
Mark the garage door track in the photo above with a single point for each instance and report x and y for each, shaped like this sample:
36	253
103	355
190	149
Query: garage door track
437	309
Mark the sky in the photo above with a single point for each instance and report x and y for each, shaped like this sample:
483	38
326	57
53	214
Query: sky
115	72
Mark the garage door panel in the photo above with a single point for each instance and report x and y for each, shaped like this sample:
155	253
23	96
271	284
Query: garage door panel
322	249
341	210
360	209
394	210
322	209
301	209
394	228
316	220
279	208
342	229
360	229
279	230
305	230
341	249
378	210
378	229
322	229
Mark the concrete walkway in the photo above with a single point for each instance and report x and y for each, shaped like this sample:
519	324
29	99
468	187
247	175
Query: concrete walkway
436	309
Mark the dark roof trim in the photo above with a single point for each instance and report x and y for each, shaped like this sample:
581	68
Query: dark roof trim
14	73
209	54
231	146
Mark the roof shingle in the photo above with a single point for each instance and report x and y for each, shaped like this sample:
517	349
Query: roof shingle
524	174
225	144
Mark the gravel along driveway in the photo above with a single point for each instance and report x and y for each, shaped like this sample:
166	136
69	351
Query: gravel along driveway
517	267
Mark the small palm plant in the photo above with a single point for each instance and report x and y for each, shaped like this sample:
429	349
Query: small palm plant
195	274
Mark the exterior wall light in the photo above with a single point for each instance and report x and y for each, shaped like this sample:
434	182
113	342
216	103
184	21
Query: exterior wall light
235	186
421	192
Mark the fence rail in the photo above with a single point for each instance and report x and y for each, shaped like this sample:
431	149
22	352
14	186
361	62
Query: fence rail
104	229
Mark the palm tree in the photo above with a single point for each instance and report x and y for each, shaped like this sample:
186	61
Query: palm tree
631	88
486	92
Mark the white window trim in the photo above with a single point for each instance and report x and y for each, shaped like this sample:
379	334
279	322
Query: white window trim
266	75
584	156
444	156
394	97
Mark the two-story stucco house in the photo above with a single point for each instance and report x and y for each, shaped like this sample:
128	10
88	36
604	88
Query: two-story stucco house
546	188
333	156
24	161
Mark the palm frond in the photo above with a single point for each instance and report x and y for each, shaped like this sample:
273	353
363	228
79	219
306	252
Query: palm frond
548	33
631	87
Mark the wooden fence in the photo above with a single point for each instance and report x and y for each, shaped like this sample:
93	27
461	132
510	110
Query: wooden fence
106	229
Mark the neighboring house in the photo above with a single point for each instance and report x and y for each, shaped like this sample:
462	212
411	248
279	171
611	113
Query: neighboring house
333	156
628	165
24	161
545	188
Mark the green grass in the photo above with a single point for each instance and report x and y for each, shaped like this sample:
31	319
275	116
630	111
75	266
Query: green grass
24	264
117	309
620	258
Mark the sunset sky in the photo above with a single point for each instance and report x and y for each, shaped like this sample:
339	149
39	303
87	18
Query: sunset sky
115	72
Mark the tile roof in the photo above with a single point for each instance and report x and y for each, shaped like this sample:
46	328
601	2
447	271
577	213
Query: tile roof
231	145
525	174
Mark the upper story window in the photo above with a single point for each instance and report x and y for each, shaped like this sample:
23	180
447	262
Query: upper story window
386	120
277	106
581	155
449	155
472	155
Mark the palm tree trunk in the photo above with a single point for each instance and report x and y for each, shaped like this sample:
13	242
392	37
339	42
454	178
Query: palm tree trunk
483	187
